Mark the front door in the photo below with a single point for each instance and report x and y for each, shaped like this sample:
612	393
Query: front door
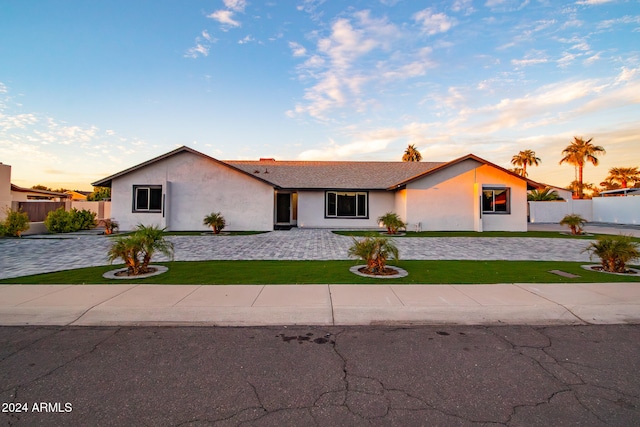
283	208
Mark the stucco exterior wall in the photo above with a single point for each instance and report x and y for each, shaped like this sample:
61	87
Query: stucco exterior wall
311	206
5	190
445	200
617	210
554	211
193	187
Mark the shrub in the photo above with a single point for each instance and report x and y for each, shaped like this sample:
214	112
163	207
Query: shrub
216	221
392	222
137	249
374	251
575	223
15	223
614	252
110	225
59	221
83	219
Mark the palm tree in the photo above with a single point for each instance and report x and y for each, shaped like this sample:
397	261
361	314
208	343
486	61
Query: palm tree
411	154
623	176
544	195
216	221
374	251
579	152
614	252
574	221
525	158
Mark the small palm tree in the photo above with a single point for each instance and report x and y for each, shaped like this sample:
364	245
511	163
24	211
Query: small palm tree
523	159
374	251
216	221
137	249
110	225
392	222
575	223
577	154
151	241
544	195
411	154
614	252
128	249
623	176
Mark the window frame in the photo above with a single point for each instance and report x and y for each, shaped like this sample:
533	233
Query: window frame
506	190
149	188
335	204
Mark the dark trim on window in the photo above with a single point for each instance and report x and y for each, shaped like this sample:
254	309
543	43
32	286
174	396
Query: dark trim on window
496	200
346	204
147	198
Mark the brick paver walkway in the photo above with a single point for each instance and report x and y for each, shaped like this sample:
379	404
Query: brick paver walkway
19	257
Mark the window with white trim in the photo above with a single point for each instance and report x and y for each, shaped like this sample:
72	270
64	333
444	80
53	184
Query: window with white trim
496	200
346	204
147	198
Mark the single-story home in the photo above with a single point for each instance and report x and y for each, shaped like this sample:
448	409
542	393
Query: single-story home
178	189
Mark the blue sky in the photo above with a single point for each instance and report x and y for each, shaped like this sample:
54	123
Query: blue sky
90	88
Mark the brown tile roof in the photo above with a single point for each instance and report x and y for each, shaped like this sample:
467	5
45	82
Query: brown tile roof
333	175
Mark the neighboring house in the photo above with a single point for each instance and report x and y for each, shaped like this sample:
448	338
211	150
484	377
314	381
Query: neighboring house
11	195
176	190
78	195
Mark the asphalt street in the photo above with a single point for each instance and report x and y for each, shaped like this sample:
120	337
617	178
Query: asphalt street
583	375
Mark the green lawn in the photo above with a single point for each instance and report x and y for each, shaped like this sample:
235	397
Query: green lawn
540	234
335	272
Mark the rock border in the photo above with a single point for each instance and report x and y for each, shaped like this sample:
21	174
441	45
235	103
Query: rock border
589	268
401	272
112	274
398	234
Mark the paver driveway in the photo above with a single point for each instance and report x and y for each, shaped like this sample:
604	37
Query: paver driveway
20	257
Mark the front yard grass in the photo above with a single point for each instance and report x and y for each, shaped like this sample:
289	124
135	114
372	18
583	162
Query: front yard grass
335	272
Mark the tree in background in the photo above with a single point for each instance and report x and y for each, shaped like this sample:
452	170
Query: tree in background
523	159
41	187
99	193
411	154
586	186
544	195
622	177
577	154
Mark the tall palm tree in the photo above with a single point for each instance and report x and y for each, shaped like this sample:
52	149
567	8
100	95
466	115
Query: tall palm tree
578	153
411	154
624	176
523	159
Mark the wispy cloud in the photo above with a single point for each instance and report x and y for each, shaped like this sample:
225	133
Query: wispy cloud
433	23
225	17
202	46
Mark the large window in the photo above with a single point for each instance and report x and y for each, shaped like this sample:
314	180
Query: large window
147	198
496	200
340	204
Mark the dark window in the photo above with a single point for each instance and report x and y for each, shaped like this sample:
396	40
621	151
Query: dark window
346	204
496	200
147	198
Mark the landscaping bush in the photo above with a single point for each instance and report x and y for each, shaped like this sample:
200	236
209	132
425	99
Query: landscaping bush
374	251
614	252
392	222
62	221
59	221
84	219
137	249
216	221
575	223
15	223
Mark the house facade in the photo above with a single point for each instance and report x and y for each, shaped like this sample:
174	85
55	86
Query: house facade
178	189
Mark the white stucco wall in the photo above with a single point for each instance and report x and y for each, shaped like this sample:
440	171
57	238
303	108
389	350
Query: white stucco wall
195	186
311	207
445	200
554	211
5	190
618	210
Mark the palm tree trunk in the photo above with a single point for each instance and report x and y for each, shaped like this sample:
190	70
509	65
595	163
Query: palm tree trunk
580	194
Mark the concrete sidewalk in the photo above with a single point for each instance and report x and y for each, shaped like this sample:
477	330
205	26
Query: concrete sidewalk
259	305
